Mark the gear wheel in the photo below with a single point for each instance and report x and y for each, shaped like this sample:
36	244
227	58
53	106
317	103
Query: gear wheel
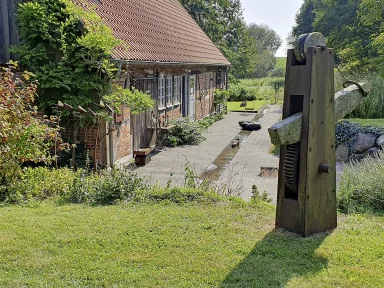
291	167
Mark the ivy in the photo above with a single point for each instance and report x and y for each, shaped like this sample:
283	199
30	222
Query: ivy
136	100
69	48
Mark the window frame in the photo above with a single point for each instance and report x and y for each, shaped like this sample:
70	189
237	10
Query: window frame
161	90
169	90
177	90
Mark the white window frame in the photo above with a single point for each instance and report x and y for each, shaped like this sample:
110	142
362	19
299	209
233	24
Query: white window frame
161	92
168	90
177	90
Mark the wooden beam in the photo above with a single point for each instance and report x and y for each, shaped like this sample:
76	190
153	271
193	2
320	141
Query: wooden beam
288	131
347	100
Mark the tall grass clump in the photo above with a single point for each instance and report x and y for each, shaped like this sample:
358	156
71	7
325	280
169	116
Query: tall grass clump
373	106
361	187
106	187
39	183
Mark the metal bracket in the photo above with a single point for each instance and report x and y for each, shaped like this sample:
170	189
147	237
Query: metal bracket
363	91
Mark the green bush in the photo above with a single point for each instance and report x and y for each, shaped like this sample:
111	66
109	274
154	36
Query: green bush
278	72
256	197
184	132
39	184
208	121
256	89
373	106
346	131
221	96
361	187
189	132
105	188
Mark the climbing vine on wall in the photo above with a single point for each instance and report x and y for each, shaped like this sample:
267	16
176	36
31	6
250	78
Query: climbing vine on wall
69	48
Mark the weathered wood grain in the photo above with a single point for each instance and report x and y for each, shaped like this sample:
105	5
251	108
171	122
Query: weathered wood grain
348	99
288	131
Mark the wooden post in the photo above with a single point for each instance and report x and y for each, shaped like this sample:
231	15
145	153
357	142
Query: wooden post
4	34
288	131
306	201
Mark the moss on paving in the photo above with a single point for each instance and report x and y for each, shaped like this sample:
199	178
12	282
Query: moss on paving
191	245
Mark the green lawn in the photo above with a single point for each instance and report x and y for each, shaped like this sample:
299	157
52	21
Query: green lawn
235	106
191	245
369	122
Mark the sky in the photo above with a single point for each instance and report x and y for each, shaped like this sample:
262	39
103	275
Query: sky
277	14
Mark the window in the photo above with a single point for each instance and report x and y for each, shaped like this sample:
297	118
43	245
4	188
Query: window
177	89
161	97
169	90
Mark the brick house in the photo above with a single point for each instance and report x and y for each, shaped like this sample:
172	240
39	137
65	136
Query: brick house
169	56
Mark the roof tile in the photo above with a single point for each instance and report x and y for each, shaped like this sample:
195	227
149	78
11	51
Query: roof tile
157	31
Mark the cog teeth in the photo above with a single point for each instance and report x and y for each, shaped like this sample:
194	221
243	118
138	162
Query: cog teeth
291	165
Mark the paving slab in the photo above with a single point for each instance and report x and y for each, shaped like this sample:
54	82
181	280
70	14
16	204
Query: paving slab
244	170
172	161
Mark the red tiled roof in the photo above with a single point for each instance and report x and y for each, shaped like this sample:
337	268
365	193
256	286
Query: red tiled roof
158	31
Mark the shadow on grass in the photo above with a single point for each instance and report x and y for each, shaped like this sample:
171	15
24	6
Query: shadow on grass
276	259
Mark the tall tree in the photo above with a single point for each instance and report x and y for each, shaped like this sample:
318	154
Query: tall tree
353	27
265	37
304	19
223	22
266	42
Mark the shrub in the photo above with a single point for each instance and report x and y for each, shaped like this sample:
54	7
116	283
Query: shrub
39	184
255	89
237	94
184	132
373	106
361	187
24	137
346	131
189	132
221	96
105	188
277	72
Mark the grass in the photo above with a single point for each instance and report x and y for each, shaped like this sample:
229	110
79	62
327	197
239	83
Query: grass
191	245
235	106
368	122
373	106
361	186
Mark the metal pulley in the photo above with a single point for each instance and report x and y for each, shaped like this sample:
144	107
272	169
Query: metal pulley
304	41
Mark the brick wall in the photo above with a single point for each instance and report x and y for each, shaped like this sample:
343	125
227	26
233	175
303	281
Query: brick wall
88	136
